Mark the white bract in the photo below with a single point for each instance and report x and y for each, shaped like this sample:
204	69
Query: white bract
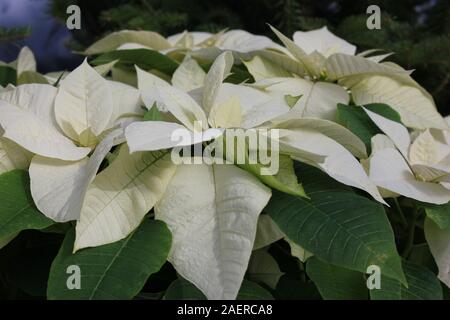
61	127
419	170
323	42
439	242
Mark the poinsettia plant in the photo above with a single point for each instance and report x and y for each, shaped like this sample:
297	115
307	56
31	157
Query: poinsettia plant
224	166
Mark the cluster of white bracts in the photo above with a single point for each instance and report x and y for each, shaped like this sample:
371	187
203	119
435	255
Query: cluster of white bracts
63	134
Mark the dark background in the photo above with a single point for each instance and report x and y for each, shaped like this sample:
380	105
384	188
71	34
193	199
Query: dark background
418	31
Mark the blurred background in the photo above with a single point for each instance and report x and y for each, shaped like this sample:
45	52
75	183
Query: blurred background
418	31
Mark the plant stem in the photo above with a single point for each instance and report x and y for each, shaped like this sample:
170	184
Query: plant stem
401	214
411	231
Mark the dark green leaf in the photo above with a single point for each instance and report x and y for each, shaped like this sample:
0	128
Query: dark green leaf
422	285
421	254
153	114
356	120
336	283
252	291
284	180
384	110
338	226
25	262
237	74
17	208
182	289
144	58
7	76
439	213
291	288
114	271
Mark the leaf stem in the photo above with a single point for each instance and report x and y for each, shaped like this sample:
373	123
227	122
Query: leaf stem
401	214
411	232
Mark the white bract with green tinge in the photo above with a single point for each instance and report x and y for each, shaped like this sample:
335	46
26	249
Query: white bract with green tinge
418	170
62	127
369	80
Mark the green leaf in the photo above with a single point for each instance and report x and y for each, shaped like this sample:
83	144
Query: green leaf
291	288
17	208
336	283
263	268
421	254
285	180
338	226
153	114
297	251
25	263
292	100
318	180
31	77
422	285
439	213
239	75
144	58
182	289
7	76
114	271
252	291
267	232
357	121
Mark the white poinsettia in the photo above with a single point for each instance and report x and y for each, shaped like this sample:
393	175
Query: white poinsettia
327	146
69	130
212	210
209	102
308	131
369	80
317	59
419	169
201	44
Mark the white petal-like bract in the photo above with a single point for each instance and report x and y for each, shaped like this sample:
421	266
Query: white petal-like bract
212	212
84	104
121	195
